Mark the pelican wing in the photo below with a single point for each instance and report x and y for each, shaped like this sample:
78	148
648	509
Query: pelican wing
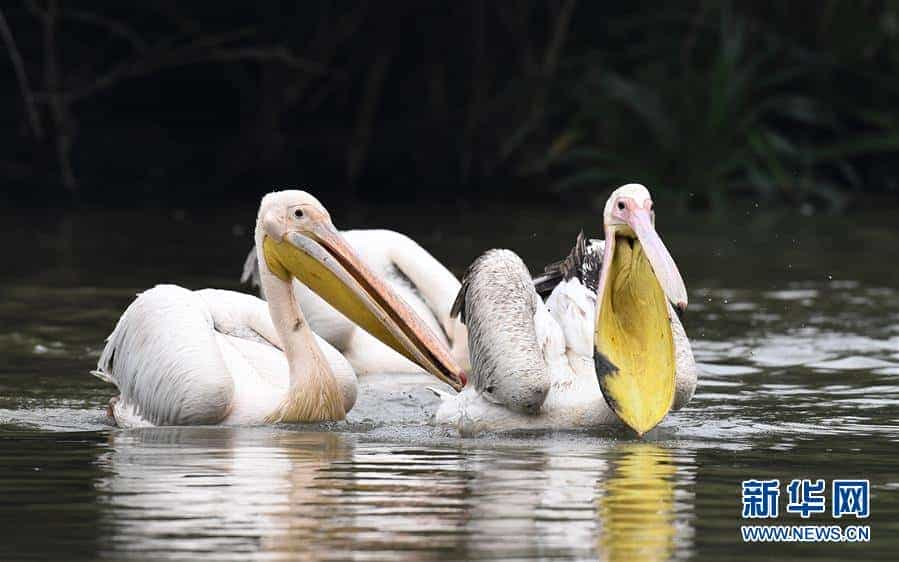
457	310
250	274
508	331
583	263
179	357
407	263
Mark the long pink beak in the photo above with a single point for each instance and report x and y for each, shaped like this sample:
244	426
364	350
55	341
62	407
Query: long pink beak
640	221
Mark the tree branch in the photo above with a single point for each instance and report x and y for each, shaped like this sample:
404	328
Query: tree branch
58	105
560	33
202	50
34	118
114	27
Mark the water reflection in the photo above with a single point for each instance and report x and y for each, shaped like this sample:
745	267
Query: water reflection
275	494
643	507
217	490
545	499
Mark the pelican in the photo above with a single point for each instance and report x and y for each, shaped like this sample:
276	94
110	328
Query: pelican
607	347
424	283
181	357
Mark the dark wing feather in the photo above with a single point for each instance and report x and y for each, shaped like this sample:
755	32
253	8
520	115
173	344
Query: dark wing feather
583	262
458	308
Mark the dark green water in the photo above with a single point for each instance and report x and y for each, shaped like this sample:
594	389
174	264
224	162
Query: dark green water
795	321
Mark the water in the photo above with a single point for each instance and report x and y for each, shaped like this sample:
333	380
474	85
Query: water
794	320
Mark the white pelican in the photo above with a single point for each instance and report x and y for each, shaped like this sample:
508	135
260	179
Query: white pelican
424	283
606	347
182	357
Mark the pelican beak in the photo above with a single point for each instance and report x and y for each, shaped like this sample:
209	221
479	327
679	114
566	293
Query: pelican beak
633	341
321	259
662	263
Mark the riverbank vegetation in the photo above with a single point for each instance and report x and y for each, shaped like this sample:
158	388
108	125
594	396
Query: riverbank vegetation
708	102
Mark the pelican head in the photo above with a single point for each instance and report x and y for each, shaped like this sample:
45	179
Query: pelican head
297	239
633	325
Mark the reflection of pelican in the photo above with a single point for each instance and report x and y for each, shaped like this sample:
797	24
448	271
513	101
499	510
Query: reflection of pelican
636	506
181	357
182	491
579	500
424	283
536	365
541	494
265	493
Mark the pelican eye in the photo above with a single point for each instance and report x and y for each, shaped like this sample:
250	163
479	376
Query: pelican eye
652	207
298	213
621	205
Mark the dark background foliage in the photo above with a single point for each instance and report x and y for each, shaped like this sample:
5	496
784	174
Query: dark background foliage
157	102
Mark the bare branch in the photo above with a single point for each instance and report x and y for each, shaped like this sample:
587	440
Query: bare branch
323	46
218	39
560	33
204	49
277	54
114	27
59	109
34	118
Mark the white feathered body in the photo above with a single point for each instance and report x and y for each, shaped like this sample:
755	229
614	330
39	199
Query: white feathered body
181	357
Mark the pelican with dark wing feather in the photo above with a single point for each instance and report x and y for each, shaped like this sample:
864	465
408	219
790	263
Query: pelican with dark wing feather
606	347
